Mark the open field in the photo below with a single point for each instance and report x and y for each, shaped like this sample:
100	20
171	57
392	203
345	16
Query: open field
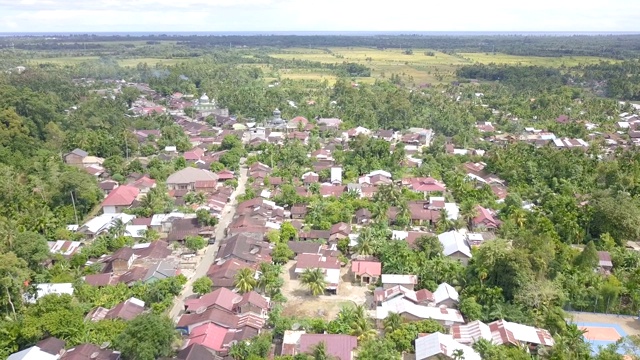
423	66
485	58
301	303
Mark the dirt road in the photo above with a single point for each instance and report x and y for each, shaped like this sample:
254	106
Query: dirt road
210	251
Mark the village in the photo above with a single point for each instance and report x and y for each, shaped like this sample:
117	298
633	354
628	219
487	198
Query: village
227	222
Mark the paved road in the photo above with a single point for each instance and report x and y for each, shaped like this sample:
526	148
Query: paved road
210	251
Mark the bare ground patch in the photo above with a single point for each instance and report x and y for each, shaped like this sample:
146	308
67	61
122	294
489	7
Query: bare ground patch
302	304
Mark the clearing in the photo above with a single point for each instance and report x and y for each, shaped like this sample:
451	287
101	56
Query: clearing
301	303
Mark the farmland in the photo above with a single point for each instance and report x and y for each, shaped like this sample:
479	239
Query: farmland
419	67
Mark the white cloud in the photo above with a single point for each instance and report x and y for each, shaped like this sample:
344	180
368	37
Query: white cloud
327	15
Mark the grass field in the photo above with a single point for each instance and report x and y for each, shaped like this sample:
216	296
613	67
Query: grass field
531	60
418	68
413	69
424	66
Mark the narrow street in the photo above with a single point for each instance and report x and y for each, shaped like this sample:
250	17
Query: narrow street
210	251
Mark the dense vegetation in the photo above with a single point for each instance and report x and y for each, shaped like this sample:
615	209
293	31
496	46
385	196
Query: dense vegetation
541	264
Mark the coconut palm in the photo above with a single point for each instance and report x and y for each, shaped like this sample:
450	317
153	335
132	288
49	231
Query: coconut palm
117	228
458	354
392	322
361	328
319	352
314	280
365	244
245	280
444	223
468	211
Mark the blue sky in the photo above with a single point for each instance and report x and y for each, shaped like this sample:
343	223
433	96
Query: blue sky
326	15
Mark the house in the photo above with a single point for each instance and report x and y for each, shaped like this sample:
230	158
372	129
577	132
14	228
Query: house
52	345
221	298
471	332
64	248
367	272
426	185
604	262
338	346
223	273
120	261
336	175
411	309
331	123
119	199
196	351
485	219
251	324
391	280
90	351
305	247
439	346
249	248
362	216
210	336
505	332
186	178
126	310
298	211
40	351
107	186
75	157
103	223
455	246
144	184
329	265
49	289
194	154
446	295
339	231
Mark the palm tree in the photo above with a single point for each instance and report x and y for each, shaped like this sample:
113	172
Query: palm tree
468	211
444	223
519	217
319	352
458	354
392	322
245	280
314	280
365	242
117	228
361	328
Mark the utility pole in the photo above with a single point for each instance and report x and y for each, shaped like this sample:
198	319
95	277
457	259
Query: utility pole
73	201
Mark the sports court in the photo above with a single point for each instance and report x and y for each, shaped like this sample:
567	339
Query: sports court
605	329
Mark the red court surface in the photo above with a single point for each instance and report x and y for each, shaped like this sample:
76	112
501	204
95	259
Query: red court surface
601	333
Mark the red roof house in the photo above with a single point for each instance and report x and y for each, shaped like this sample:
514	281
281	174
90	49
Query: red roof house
366	271
485	218
119	199
339	346
209	335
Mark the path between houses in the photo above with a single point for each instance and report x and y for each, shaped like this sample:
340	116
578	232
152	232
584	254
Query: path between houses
210	251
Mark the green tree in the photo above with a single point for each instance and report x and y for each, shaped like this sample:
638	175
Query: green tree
430	246
288	232
588	258
13	275
202	285
281	253
314	280
245	280
195	243
32	248
392	322
147	337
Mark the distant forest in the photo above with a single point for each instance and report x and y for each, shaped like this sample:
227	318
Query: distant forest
609	46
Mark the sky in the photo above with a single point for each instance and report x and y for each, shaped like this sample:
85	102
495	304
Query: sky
324	15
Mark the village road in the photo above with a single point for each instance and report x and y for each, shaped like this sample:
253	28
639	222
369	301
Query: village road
210	251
